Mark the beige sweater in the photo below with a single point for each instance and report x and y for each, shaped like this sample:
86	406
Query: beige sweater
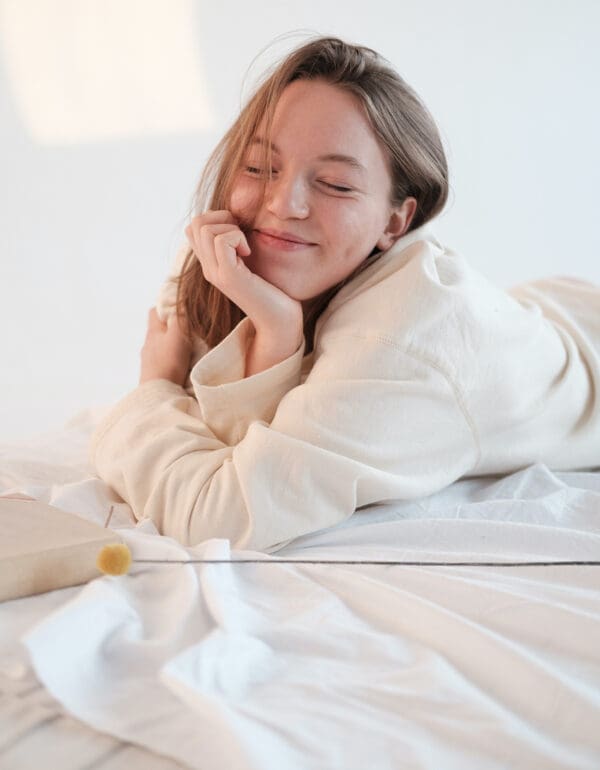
422	372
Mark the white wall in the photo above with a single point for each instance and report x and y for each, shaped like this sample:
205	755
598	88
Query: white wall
107	117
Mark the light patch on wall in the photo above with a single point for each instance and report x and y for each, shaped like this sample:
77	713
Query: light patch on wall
96	70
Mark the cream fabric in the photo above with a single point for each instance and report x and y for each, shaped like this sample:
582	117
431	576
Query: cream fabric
423	372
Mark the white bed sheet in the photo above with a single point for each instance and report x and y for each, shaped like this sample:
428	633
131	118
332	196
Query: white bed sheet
260	666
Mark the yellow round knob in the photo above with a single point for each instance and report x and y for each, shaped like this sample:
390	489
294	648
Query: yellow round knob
114	559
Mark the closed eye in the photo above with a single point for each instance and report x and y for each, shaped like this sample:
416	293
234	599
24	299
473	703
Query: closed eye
338	188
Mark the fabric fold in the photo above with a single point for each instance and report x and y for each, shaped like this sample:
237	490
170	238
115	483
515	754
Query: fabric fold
228	400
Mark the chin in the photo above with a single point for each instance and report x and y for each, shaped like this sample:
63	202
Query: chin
282	282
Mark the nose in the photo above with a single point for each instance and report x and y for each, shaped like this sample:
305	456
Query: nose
287	198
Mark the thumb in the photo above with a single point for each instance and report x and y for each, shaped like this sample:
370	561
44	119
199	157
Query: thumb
243	248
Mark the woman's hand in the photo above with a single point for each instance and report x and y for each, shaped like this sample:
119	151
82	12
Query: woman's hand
220	245
167	352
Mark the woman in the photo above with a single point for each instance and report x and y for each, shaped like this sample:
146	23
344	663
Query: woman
322	351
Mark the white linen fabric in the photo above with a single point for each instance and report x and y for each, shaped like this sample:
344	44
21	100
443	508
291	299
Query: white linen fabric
264	666
423	372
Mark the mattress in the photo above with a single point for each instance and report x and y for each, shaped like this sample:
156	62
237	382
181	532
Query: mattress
461	630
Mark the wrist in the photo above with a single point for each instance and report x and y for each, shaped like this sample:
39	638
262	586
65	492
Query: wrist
266	350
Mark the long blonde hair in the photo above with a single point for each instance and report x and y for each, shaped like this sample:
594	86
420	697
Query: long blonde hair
400	121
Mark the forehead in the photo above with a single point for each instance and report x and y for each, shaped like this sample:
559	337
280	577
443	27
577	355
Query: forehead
315	119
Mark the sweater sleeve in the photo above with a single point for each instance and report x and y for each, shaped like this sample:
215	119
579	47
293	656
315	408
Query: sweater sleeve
229	402
329	446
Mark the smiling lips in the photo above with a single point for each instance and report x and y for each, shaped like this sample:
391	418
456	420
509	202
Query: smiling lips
282	240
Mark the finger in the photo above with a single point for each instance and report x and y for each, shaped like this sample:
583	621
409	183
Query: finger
200	237
153	318
207	254
196	230
219	217
228	246
216	217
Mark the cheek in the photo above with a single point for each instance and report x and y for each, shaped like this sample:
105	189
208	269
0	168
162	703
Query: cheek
350	229
337	220
363	228
243	200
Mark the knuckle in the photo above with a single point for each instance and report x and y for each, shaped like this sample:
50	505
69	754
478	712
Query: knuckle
220	240
215	216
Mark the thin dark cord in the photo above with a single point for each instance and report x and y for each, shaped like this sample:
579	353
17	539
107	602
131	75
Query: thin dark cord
565	563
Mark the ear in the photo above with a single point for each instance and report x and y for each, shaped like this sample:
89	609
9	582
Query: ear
398	223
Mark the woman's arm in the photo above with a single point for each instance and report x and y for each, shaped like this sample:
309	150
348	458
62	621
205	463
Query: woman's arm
239	463
221	248
267	350
276	318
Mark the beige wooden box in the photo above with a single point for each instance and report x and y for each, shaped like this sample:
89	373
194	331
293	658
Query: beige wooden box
43	548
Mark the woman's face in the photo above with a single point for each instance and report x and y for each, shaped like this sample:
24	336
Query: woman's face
330	191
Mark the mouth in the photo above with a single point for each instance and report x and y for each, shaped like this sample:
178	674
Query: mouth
280	235
281	240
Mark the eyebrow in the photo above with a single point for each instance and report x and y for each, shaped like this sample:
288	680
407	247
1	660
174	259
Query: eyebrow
336	157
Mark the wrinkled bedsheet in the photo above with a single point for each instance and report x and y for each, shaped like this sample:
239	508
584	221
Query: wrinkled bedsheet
276	665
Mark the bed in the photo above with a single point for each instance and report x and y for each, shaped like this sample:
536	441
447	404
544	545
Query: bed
271	665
